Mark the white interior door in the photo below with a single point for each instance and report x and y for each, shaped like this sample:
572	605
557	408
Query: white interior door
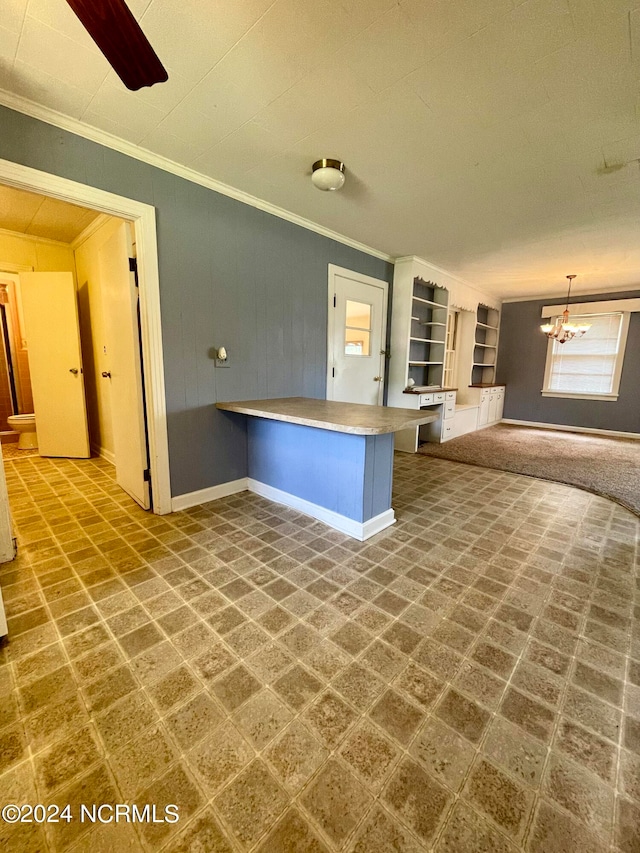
356	337
7	551
120	303
50	310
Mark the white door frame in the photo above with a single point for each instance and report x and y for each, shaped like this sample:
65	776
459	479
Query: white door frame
143	217
361	279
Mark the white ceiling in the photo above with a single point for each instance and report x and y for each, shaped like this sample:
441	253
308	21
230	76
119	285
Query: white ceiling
498	139
38	216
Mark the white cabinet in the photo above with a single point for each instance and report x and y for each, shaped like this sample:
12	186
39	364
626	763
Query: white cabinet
493	402
483	411
464	420
491	405
441	429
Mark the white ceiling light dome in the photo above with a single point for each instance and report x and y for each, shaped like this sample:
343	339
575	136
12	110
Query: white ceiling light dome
327	174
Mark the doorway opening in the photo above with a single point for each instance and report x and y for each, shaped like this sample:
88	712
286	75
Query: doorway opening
141	219
15	387
77	331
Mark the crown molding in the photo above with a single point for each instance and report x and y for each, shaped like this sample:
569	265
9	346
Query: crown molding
452	275
91	228
562	296
609	306
14	269
130	149
4	232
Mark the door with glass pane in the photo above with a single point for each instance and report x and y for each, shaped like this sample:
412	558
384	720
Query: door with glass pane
356	339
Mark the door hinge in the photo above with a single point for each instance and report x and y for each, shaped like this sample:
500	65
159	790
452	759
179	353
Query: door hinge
334	300
146	475
133	267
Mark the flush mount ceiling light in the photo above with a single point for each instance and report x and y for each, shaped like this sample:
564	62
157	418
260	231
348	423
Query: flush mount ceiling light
562	330
327	174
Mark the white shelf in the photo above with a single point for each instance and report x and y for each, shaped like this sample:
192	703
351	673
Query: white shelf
428	302
428	322
427	340
482	364
487	326
424	363
487	346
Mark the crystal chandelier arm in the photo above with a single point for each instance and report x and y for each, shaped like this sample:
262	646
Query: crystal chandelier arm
563	330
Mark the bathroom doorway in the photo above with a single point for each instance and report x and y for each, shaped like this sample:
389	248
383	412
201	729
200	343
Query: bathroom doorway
15	384
81	326
100	206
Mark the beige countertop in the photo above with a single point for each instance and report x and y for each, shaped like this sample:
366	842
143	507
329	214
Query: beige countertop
438	390
353	418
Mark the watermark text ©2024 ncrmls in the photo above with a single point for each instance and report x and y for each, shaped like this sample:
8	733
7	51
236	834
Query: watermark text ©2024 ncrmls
94	813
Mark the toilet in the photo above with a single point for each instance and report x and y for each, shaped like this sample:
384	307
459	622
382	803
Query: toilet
25	425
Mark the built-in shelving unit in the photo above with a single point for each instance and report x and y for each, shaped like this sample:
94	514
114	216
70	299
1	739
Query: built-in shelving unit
483	364
425	357
441	336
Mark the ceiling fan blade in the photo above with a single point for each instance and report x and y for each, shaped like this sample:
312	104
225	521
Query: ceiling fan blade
118	35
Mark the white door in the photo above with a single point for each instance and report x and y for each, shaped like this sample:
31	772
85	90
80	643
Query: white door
120	303
7	550
50	310
356	337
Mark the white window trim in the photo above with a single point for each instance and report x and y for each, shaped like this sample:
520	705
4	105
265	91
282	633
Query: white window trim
617	373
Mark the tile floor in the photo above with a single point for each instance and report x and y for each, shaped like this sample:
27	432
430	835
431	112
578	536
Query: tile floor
468	681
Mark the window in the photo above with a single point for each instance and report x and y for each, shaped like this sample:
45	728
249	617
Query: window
588	367
357	333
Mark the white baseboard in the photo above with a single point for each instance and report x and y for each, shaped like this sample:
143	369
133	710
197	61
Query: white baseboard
356	529
212	493
103	453
377	523
609	432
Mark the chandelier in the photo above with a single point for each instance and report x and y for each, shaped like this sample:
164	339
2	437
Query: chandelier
562	330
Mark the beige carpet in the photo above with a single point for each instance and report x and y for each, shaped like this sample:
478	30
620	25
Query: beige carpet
605	466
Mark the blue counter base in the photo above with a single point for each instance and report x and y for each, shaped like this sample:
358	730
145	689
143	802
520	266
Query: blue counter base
339	478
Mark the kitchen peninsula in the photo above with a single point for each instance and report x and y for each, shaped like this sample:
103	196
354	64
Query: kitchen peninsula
330	460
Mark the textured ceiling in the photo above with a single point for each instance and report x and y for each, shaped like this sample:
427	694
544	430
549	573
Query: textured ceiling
39	216
498	139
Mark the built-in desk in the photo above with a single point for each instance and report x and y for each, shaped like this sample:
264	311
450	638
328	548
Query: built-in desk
330	460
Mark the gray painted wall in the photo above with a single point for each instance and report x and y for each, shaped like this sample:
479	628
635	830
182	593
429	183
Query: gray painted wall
230	275
521	360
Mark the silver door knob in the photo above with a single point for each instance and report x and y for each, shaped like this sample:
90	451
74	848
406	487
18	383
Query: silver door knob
377	378
73	370
106	374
